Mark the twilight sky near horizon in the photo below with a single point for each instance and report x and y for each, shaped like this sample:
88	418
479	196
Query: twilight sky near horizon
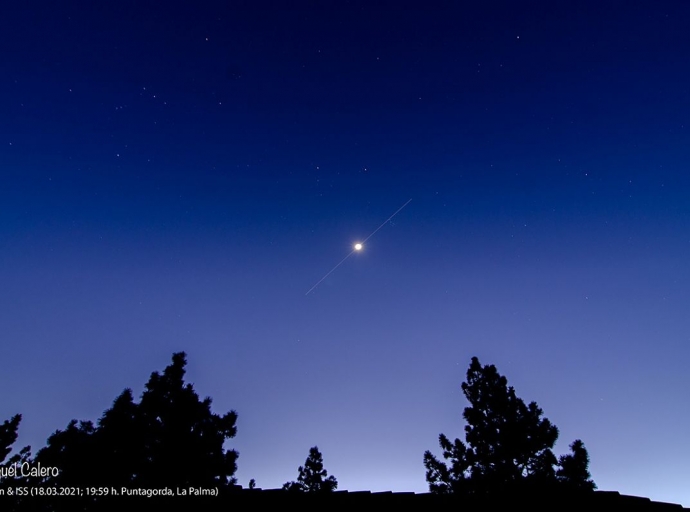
176	176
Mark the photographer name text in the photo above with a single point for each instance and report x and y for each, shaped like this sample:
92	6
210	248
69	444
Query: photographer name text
25	469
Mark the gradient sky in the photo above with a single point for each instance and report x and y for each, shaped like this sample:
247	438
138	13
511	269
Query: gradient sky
175	176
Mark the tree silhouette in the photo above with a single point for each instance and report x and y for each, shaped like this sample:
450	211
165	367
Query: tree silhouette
120	442
73	452
9	431
508	444
183	439
312	477
171	438
573	471
8	435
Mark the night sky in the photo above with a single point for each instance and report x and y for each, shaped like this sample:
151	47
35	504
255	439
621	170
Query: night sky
175	176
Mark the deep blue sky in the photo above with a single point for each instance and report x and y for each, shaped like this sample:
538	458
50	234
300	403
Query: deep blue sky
175	176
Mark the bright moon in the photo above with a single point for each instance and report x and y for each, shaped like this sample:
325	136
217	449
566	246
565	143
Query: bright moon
358	247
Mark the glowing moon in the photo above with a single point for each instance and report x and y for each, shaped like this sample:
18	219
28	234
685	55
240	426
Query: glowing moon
358	247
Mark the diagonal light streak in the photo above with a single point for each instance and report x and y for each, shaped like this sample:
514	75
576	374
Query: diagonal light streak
389	218
354	250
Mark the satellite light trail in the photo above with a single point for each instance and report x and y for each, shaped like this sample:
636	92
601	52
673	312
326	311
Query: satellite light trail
358	246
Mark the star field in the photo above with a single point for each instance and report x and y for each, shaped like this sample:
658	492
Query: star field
175	178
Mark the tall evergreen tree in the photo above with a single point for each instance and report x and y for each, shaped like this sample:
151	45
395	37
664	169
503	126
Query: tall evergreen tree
183	438
312	476
170	438
508	444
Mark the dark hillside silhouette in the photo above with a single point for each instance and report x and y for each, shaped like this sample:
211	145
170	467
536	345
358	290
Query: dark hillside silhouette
508	445
171	438
312	476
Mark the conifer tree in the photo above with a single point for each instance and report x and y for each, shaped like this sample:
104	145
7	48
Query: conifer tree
182	437
170	438
508	444
312	476
573	471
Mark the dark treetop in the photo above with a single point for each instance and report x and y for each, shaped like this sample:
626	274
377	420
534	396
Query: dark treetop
508	444
312	476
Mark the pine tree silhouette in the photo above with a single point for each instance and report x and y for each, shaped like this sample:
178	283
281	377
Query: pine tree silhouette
183	438
508	444
573	471
169	439
312	476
